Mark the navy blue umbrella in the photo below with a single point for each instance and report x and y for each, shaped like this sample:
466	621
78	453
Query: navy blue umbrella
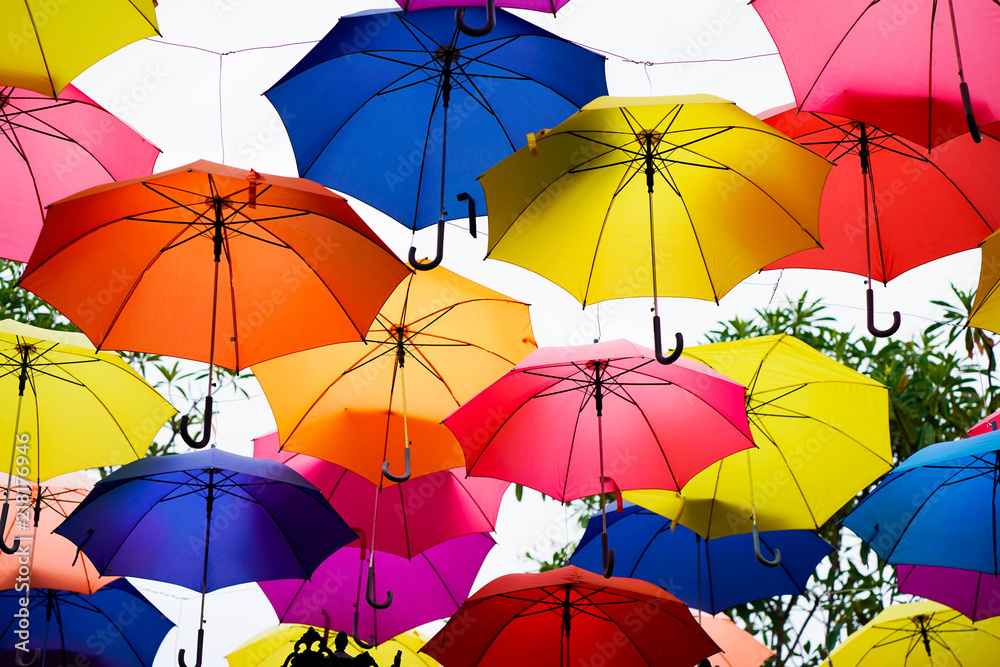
712	575
205	520
115	627
403	111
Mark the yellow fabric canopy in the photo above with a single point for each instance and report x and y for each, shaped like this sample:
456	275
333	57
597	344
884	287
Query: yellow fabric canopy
271	647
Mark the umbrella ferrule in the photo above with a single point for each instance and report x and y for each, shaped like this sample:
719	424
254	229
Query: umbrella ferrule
864	152
217	236
22	380
447	55
400	345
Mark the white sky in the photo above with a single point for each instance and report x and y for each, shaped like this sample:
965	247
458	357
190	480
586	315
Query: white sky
171	95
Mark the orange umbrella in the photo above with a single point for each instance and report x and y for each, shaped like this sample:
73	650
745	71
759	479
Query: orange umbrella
212	263
739	647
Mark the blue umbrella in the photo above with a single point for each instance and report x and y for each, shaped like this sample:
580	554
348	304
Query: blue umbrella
205	520
367	109
115	627
712	575
938	507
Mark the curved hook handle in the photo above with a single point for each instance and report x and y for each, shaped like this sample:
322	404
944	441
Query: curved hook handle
462	196
201	643
970	117
370	644
491	20
370	591
207	428
760	557
427	266
607	557
3	541
399	479
872	329
658	347
35	658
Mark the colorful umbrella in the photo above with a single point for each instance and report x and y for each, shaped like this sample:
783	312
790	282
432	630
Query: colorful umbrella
711	575
986	424
895	64
885	199
131	264
272	647
569	616
351	403
739	647
67	408
153	517
542	424
822	435
975	594
985	313
50	149
47	45
431	585
491	20
657	196
115	627
370	117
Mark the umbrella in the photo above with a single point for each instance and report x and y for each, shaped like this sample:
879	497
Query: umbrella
541	424
151	518
351	403
47	45
739	647
491	21
655	196
272	647
986	424
131	264
51	149
431	585
53	561
822	435
903	633
938	507
115	627
895	64
568	616
370	116
985	313
68	407
975	594
885	199
710	575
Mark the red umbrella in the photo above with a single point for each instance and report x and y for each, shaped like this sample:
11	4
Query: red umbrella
986	424
569	616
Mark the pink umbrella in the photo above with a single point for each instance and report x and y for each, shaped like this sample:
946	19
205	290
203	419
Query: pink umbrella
739	647
491	5
975	594
987	424
50	149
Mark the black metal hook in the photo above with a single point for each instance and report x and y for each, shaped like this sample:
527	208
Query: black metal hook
427	266
206	430
201	643
3	541
760	557
35	658
658	346
491	20
970	117
463	196
399	479
607	557
370	591
872	329
370	644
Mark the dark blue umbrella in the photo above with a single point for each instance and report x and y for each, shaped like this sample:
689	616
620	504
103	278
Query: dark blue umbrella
367	109
115	627
712	575
205	520
938	507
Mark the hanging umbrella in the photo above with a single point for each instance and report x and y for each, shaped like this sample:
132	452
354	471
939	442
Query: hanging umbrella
153	517
115	627
50	149
975	594
925	70
656	196
884	201
431	585
53	561
711	575
985	425
568	615
67	408
739	647
48	45
131	264
919	633
370	117
822	435
491	21
985	314
272	647
352	403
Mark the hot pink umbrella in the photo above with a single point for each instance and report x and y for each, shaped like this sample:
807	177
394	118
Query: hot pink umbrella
491	5
975	594
50	149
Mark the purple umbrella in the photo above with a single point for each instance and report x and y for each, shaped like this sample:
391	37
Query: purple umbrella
975	594
432	585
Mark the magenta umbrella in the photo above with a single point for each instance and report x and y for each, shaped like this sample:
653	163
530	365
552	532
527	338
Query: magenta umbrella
975	594
432	585
50	149
491	5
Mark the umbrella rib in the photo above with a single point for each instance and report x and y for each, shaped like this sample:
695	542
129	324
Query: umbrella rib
469	468
916	512
656	437
694	232
128	533
288	541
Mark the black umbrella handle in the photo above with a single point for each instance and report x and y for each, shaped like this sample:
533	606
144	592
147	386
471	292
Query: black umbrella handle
607	557
201	643
463	196
370	644
491	20
970	117
427	266
206	428
874	330
658	346
3	541
35	658
370	592
760	557
399	479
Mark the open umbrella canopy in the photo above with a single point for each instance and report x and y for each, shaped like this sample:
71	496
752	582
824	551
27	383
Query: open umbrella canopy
985	312
271	647
739	647
975	594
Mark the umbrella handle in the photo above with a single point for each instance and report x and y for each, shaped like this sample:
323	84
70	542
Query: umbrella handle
491	20
3	541
201	642
658	347
463	196
370	592
607	557
207	428
760	557
970	118
34	658
370	644
427	266
872	329
399	479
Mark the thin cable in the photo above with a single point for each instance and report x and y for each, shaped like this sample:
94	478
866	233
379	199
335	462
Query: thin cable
222	134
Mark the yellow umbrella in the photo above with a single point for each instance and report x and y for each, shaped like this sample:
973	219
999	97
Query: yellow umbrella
920	634
985	312
822	435
658	196
49	42
271	647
